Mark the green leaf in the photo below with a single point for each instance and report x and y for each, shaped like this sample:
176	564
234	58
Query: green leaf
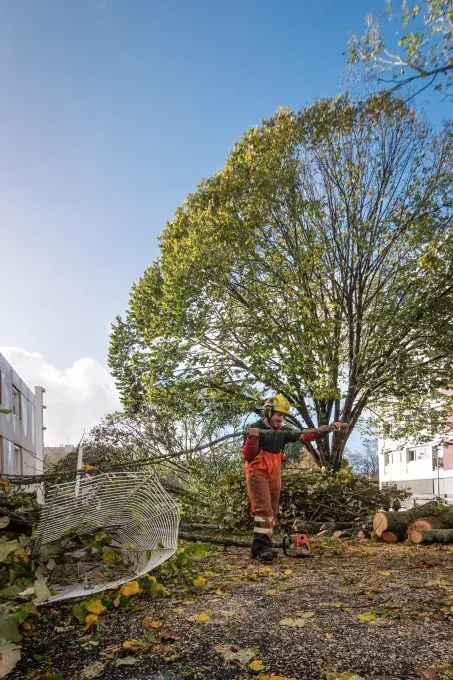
42	592
79	612
20	616
6	548
8	628
109	556
9	657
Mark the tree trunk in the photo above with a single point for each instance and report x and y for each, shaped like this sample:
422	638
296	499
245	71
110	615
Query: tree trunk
436	536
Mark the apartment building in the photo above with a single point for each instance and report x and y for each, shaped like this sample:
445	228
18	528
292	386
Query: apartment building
426	469
21	428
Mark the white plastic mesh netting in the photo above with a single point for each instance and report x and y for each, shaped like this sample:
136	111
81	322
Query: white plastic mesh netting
132	507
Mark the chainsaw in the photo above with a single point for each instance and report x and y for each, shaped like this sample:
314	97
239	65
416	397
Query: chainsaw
296	542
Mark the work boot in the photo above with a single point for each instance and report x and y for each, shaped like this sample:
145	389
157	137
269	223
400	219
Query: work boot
262	548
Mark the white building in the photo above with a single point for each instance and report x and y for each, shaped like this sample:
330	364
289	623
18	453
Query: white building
426	469
21	424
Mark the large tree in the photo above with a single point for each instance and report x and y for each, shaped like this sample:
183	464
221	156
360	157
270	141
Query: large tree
316	263
423	55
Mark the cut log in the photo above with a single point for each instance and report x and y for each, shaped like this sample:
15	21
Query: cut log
395	535
444	521
391	521
436	536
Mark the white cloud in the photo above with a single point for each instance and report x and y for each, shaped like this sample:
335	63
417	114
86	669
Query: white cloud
76	397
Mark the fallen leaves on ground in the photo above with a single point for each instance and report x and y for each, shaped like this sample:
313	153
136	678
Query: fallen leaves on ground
132	645
149	623
93	670
425	564
298	621
90	620
131	588
256	665
202	618
96	607
231	653
370	616
199	582
9	657
384	573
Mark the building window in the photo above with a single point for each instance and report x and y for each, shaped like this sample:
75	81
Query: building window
18	460
420	453
16	402
7	456
392	458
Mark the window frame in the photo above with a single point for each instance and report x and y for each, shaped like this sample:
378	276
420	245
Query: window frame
16	392
20	451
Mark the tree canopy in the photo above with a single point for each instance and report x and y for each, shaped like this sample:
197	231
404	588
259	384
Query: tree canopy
423	56
316	263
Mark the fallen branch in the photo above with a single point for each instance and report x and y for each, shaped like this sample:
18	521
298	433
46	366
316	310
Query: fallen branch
18	519
218	540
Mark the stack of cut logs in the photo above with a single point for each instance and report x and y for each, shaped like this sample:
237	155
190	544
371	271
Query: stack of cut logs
429	523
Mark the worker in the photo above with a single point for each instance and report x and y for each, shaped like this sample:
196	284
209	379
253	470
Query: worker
263	453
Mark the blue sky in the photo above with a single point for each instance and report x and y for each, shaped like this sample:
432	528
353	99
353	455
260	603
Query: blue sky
112	111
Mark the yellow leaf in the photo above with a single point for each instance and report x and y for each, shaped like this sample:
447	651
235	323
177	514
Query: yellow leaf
270	593
256	665
199	582
209	574
203	618
153	579
4	484
90	620
384	573
294	623
288	572
149	623
131	588
109	557
132	645
88	468
116	602
96	607
274	677
329	636
366	617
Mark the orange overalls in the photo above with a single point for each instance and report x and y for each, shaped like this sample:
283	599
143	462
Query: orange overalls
262	473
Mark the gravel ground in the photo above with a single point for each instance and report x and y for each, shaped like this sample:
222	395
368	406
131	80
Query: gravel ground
405	627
